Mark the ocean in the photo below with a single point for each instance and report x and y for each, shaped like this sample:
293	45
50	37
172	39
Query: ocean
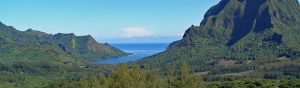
138	50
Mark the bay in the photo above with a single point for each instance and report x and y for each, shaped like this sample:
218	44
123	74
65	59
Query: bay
138	50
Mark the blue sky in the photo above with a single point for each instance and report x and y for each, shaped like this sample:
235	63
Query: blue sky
107	20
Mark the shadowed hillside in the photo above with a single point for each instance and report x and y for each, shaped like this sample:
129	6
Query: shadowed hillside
251	33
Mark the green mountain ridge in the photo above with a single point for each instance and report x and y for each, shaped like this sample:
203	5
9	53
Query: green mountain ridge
242	32
32	45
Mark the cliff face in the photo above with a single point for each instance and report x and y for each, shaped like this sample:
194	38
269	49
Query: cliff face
232	20
85	46
39	46
240	29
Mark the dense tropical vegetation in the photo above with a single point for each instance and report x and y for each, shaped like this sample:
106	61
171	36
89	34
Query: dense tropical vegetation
131	76
32	58
32	45
239	44
255	38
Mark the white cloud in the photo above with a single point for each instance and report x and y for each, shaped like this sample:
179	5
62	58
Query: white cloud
180	34
133	32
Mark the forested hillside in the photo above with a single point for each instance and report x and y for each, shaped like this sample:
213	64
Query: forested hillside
240	38
238	44
32	58
34	46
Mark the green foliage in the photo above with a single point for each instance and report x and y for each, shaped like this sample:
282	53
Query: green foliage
134	77
256	83
252	33
218	50
38	46
83	83
54	75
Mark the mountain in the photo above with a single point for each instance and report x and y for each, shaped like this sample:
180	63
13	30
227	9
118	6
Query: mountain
240	33
32	45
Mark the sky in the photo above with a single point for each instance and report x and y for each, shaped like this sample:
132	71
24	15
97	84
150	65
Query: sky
113	21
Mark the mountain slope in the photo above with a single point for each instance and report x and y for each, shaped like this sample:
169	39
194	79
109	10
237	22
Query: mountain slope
239	30
32	45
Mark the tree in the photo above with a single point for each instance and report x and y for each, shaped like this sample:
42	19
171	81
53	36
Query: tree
184	76
288	84
170	72
138	76
154	80
197	82
184	71
122	77
186	80
83	83
95	82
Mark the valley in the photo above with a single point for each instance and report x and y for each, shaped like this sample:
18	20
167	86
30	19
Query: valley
238	44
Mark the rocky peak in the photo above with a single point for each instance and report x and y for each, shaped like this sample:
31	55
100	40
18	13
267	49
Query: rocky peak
248	27
90	38
252	19
67	34
235	19
239	30
36	32
1	23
